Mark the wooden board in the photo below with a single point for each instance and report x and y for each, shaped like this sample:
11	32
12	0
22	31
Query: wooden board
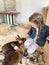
44	11
47	19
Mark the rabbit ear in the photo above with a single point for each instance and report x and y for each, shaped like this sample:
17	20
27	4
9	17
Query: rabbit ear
18	37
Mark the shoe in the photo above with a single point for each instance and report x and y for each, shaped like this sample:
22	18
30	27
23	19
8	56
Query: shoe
25	53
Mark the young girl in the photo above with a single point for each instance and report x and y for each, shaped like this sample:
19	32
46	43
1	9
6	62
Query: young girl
37	34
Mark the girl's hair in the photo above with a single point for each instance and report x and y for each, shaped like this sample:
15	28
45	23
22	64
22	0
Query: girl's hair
37	18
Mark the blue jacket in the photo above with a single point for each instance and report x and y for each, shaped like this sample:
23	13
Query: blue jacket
32	32
43	35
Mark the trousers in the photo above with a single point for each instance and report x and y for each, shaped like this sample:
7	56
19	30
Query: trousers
30	45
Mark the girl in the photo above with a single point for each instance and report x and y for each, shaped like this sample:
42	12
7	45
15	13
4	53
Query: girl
37	33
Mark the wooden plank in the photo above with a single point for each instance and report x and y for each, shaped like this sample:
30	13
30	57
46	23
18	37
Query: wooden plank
14	13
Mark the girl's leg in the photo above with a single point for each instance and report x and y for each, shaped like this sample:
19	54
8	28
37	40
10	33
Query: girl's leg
32	48
28	43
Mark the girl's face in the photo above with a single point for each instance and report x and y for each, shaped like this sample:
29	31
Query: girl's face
33	24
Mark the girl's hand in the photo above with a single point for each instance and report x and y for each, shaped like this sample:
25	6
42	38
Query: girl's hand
48	38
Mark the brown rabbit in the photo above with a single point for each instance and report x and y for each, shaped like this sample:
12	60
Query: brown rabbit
12	55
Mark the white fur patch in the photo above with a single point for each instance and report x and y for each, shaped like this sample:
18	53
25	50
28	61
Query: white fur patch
16	48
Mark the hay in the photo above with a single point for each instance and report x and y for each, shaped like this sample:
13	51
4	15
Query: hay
21	31
10	35
26	25
4	28
8	6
